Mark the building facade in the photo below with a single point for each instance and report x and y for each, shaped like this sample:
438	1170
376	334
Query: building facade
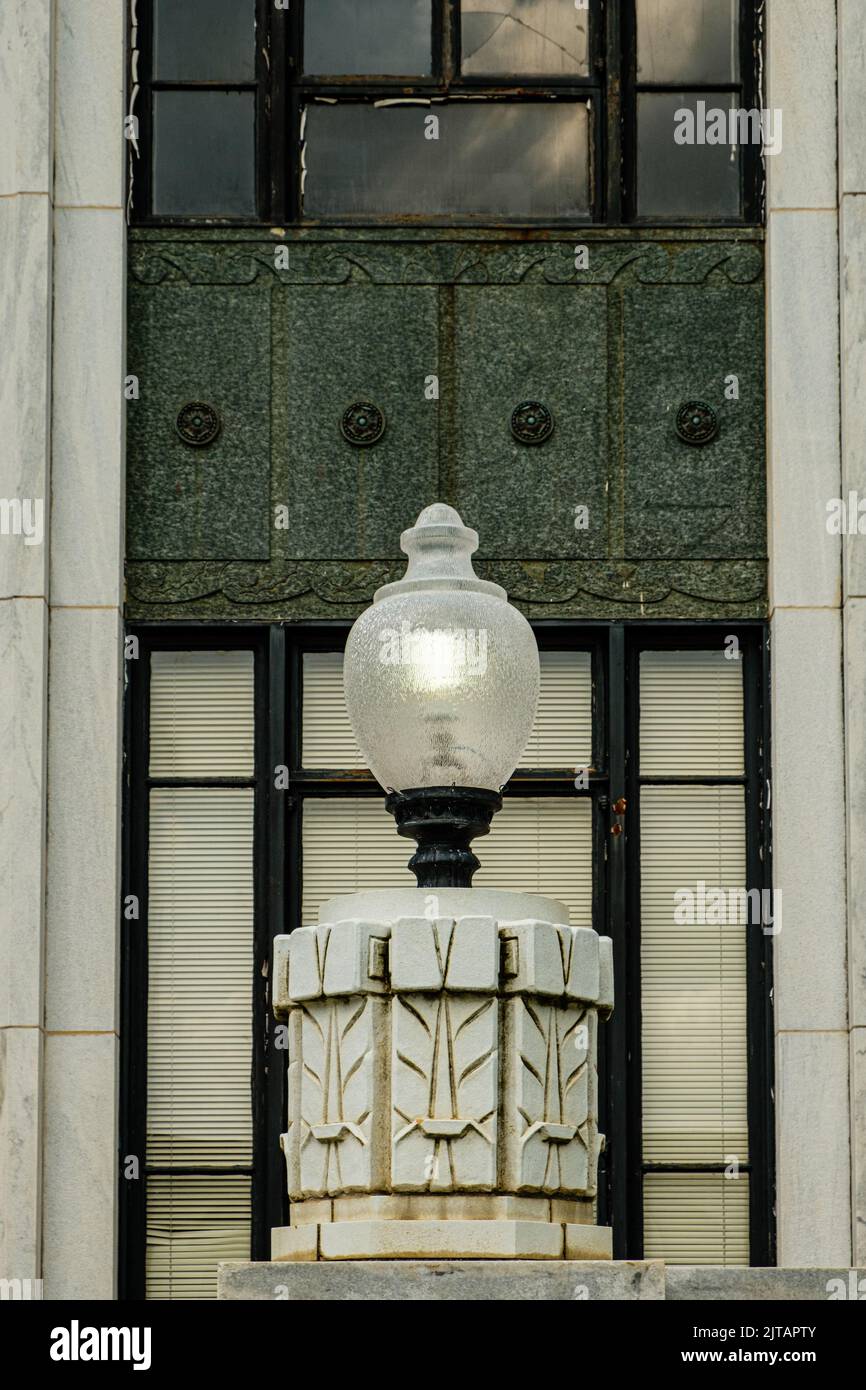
265	307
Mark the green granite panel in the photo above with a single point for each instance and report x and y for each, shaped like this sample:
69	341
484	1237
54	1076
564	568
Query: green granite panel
358	343
540	343
680	343
211	344
613	343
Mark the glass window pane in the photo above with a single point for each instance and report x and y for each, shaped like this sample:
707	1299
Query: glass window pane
517	159
691	714
194	1222
696	1218
541	844
368	36
204	154
201	714
546	38
350	845
562	733
536	845
204	40
688	180
200	964
694	921
328	737
691	41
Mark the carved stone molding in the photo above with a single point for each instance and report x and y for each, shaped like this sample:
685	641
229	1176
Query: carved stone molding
156	261
541	588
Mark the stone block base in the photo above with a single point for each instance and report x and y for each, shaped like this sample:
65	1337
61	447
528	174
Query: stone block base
482	1281
448	1240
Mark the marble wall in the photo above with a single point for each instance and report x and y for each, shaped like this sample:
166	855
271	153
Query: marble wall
852	237
818	646
62	270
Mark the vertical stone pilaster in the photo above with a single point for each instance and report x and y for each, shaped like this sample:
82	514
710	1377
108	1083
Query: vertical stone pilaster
804	474
62	248
86	653
27	34
852	199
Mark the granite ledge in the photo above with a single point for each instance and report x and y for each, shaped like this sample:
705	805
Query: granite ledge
443	1280
531	1281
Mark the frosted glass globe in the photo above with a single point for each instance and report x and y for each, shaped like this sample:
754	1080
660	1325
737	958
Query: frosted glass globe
441	673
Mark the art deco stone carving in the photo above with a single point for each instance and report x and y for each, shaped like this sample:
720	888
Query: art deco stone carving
441	1058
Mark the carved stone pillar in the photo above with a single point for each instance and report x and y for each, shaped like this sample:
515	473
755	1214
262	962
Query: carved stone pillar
442	1086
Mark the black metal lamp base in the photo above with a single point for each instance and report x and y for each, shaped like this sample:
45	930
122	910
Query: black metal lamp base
443	821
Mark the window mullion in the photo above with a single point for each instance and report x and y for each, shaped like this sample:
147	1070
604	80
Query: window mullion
621	1159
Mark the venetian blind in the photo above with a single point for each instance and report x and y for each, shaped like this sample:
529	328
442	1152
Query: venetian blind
691	714
201	714
535	845
693	959
200	962
696	1218
193	1222
561	735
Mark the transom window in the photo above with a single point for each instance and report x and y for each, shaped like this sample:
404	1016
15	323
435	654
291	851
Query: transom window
520	111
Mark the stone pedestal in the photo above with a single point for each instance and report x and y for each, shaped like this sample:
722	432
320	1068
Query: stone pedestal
442	1092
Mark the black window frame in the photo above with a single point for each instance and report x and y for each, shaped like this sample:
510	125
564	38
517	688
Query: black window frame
283	89
615	648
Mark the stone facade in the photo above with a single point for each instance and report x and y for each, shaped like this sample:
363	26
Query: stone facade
63	285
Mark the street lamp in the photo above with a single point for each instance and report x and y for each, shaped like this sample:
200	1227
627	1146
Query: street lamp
441	680
442	1099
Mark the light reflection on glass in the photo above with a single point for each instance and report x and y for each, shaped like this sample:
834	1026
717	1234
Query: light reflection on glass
505	159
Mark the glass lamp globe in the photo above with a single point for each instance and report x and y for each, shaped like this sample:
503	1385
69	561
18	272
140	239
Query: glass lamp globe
441	680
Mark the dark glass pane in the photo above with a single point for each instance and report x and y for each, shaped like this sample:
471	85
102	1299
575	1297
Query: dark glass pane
690	41
509	160
204	40
368	36
691	180
533	38
204	154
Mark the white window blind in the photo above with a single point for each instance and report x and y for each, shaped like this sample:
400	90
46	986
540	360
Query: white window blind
200	951
693	978
561	735
693	972
328	740
193	1222
541	845
691	714
536	845
696	1218
201	714
200	964
349	844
